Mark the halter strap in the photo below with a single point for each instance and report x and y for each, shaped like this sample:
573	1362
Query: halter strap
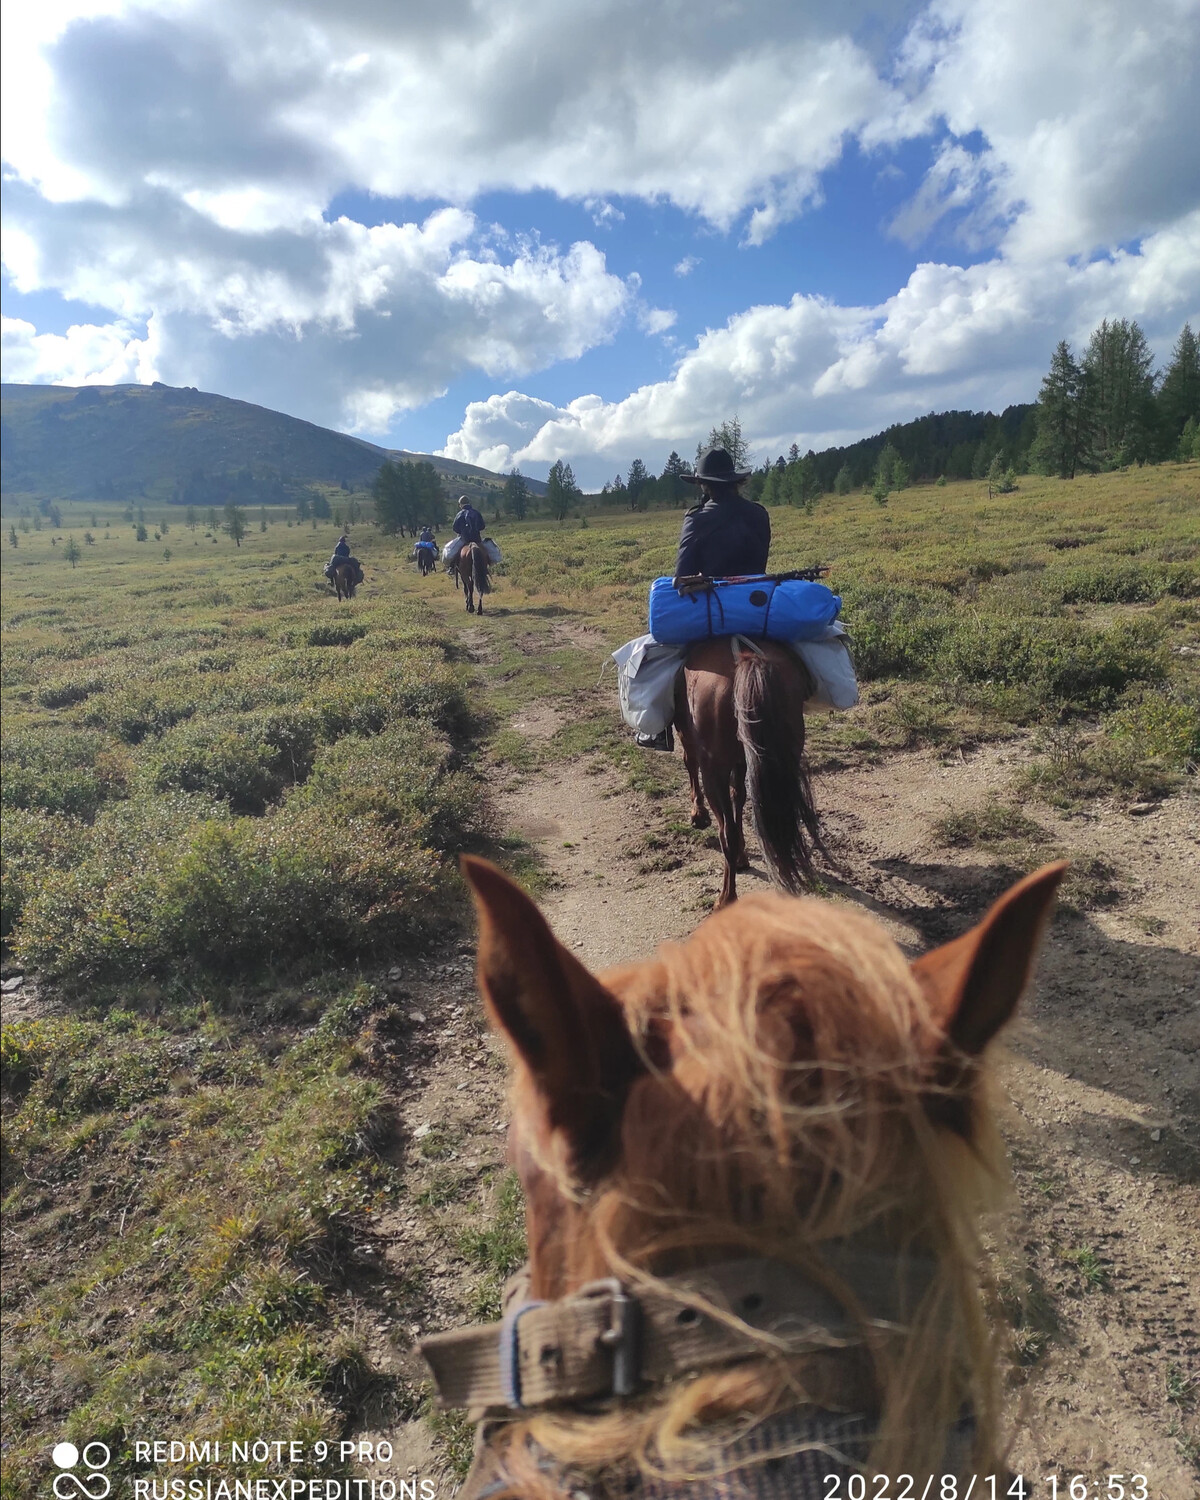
604	1341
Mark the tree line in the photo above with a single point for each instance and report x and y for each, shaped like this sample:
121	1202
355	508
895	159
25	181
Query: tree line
1111	408
1104	411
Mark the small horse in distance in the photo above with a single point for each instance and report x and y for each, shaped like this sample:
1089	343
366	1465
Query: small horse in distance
471	569
739	710
754	1167
427	559
344	578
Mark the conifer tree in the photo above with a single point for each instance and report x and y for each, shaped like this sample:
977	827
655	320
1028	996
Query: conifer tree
672	477
561	490
516	494
728	436
1061	416
1179	393
1120	378
636	483
235	522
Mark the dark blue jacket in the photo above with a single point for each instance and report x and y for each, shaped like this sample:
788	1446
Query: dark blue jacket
724	539
341	551
469	524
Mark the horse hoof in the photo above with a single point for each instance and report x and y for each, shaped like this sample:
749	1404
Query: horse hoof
743	862
701	819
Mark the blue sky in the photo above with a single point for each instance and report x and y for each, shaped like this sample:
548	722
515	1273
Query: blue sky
523	231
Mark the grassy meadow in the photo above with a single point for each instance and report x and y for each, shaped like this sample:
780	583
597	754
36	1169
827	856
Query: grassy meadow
228	801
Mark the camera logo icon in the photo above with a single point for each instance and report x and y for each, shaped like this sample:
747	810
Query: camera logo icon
93	1483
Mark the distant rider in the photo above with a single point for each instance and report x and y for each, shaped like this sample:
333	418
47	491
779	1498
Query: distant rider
341	554
724	536
468	523
468	526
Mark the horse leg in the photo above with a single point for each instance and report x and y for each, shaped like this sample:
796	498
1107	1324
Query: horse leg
691	761
716	784
691	752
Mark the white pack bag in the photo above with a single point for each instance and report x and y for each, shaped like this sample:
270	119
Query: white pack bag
832	670
493	551
646	672
452	548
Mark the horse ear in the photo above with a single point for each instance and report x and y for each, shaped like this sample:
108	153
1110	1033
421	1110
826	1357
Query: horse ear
567	1029
975	981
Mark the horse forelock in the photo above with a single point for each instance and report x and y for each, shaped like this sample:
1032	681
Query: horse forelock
789	1059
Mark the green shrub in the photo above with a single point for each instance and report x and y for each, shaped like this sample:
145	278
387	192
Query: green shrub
342	633
1160	726
67	693
65	770
1127	583
238	895
33	842
135	713
239	767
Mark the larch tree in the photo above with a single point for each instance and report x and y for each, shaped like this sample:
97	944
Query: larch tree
728	436
1119	371
516	494
561	490
635	484
1179	394
1061	416
235	522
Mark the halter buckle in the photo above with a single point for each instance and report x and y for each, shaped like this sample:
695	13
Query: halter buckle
622	1335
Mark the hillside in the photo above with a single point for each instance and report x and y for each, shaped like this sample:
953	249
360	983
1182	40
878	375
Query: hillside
181	445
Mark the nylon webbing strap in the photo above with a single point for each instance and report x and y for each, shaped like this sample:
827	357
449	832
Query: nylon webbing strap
603	1341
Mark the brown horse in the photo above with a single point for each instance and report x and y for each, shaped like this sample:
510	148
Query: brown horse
739	709
344	579
754	1168
471	568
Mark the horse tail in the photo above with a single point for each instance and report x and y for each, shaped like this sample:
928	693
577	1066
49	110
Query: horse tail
479	561
768	694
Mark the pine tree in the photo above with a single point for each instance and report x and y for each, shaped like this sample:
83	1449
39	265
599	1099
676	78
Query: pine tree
1179	393
672	476
1061	416
71	551
635	485
235	522
841	484
561	490
728	436
516	494
1120	373
885	467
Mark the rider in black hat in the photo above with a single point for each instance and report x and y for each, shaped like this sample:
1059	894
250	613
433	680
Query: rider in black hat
723	536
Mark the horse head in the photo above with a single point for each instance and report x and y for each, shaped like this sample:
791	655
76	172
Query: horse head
781	1083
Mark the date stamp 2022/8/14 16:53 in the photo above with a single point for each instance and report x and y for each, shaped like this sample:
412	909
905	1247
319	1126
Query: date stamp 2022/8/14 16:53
1053	1486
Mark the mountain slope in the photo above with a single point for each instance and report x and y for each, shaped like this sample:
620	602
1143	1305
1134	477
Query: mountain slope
161	442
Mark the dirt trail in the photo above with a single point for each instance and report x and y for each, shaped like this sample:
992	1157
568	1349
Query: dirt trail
1103	1074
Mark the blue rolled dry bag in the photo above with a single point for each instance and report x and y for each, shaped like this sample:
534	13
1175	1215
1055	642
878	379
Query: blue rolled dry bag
794	609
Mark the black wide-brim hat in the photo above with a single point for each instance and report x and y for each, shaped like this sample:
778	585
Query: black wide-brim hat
716	467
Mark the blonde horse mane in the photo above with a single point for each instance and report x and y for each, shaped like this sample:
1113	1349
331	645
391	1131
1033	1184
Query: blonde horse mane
795	1083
